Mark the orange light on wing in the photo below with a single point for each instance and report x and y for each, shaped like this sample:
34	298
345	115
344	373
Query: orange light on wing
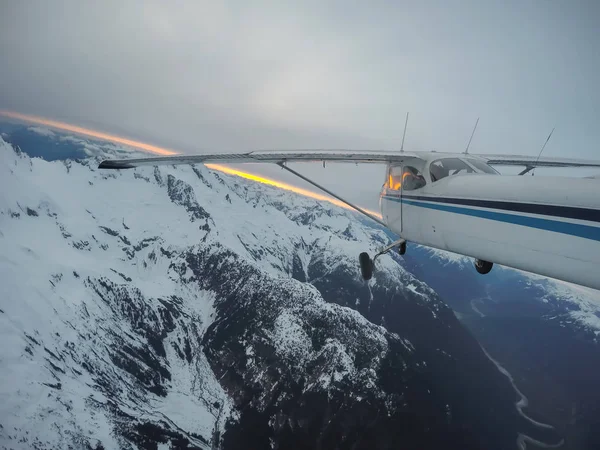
87	132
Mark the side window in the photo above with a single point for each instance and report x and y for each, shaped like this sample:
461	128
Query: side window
412	179
394	181
446	167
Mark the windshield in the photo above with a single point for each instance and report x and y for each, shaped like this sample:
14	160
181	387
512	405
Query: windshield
445	167
482	166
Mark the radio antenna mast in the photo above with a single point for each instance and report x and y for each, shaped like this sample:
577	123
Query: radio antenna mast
404	134
543	147
471	138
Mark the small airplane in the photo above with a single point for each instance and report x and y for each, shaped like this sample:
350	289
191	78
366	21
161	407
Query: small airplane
458	202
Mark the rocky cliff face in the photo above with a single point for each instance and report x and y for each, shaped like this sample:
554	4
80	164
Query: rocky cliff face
180	308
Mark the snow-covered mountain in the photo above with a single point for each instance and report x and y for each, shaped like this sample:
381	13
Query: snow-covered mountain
180	308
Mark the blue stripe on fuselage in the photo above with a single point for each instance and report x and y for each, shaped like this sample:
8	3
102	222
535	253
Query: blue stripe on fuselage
573	229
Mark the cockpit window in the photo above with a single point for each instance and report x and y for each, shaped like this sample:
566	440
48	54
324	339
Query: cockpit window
408	178
443	168
482	167
412	179
395	178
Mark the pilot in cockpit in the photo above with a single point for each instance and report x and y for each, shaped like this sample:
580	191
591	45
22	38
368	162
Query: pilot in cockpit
412	179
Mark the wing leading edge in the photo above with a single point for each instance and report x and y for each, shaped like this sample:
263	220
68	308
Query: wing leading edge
381	157
261	157
533	161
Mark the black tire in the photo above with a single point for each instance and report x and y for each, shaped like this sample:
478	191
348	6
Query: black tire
402	248
366	266
482	266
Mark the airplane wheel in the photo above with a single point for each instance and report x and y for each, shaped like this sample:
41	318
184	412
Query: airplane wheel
402	248
483	267
366	265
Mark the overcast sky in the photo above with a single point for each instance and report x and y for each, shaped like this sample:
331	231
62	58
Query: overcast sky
205	76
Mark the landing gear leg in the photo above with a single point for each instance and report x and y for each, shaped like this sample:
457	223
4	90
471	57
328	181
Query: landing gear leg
482	266
402	248
367	264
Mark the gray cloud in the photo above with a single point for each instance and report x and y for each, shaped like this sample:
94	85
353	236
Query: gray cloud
236	75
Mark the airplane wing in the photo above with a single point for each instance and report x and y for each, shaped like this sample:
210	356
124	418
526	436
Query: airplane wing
381	157
270	157
533	161
374	156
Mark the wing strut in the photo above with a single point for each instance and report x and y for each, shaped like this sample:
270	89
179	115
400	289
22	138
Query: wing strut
526	170
351	205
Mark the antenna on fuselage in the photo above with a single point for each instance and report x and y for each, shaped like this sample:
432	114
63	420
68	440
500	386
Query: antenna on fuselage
543	147
404	134
471	138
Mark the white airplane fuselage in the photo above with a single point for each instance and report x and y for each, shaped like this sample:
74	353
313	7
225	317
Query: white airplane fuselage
545	225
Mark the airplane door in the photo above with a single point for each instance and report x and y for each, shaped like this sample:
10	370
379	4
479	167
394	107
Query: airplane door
391	199
410	213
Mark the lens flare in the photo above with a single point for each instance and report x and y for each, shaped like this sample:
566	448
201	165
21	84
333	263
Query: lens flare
87	132
285	186
166	152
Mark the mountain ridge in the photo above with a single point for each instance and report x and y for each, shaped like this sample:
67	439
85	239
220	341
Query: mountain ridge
140	296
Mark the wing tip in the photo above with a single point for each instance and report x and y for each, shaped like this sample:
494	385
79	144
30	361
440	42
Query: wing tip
115	164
